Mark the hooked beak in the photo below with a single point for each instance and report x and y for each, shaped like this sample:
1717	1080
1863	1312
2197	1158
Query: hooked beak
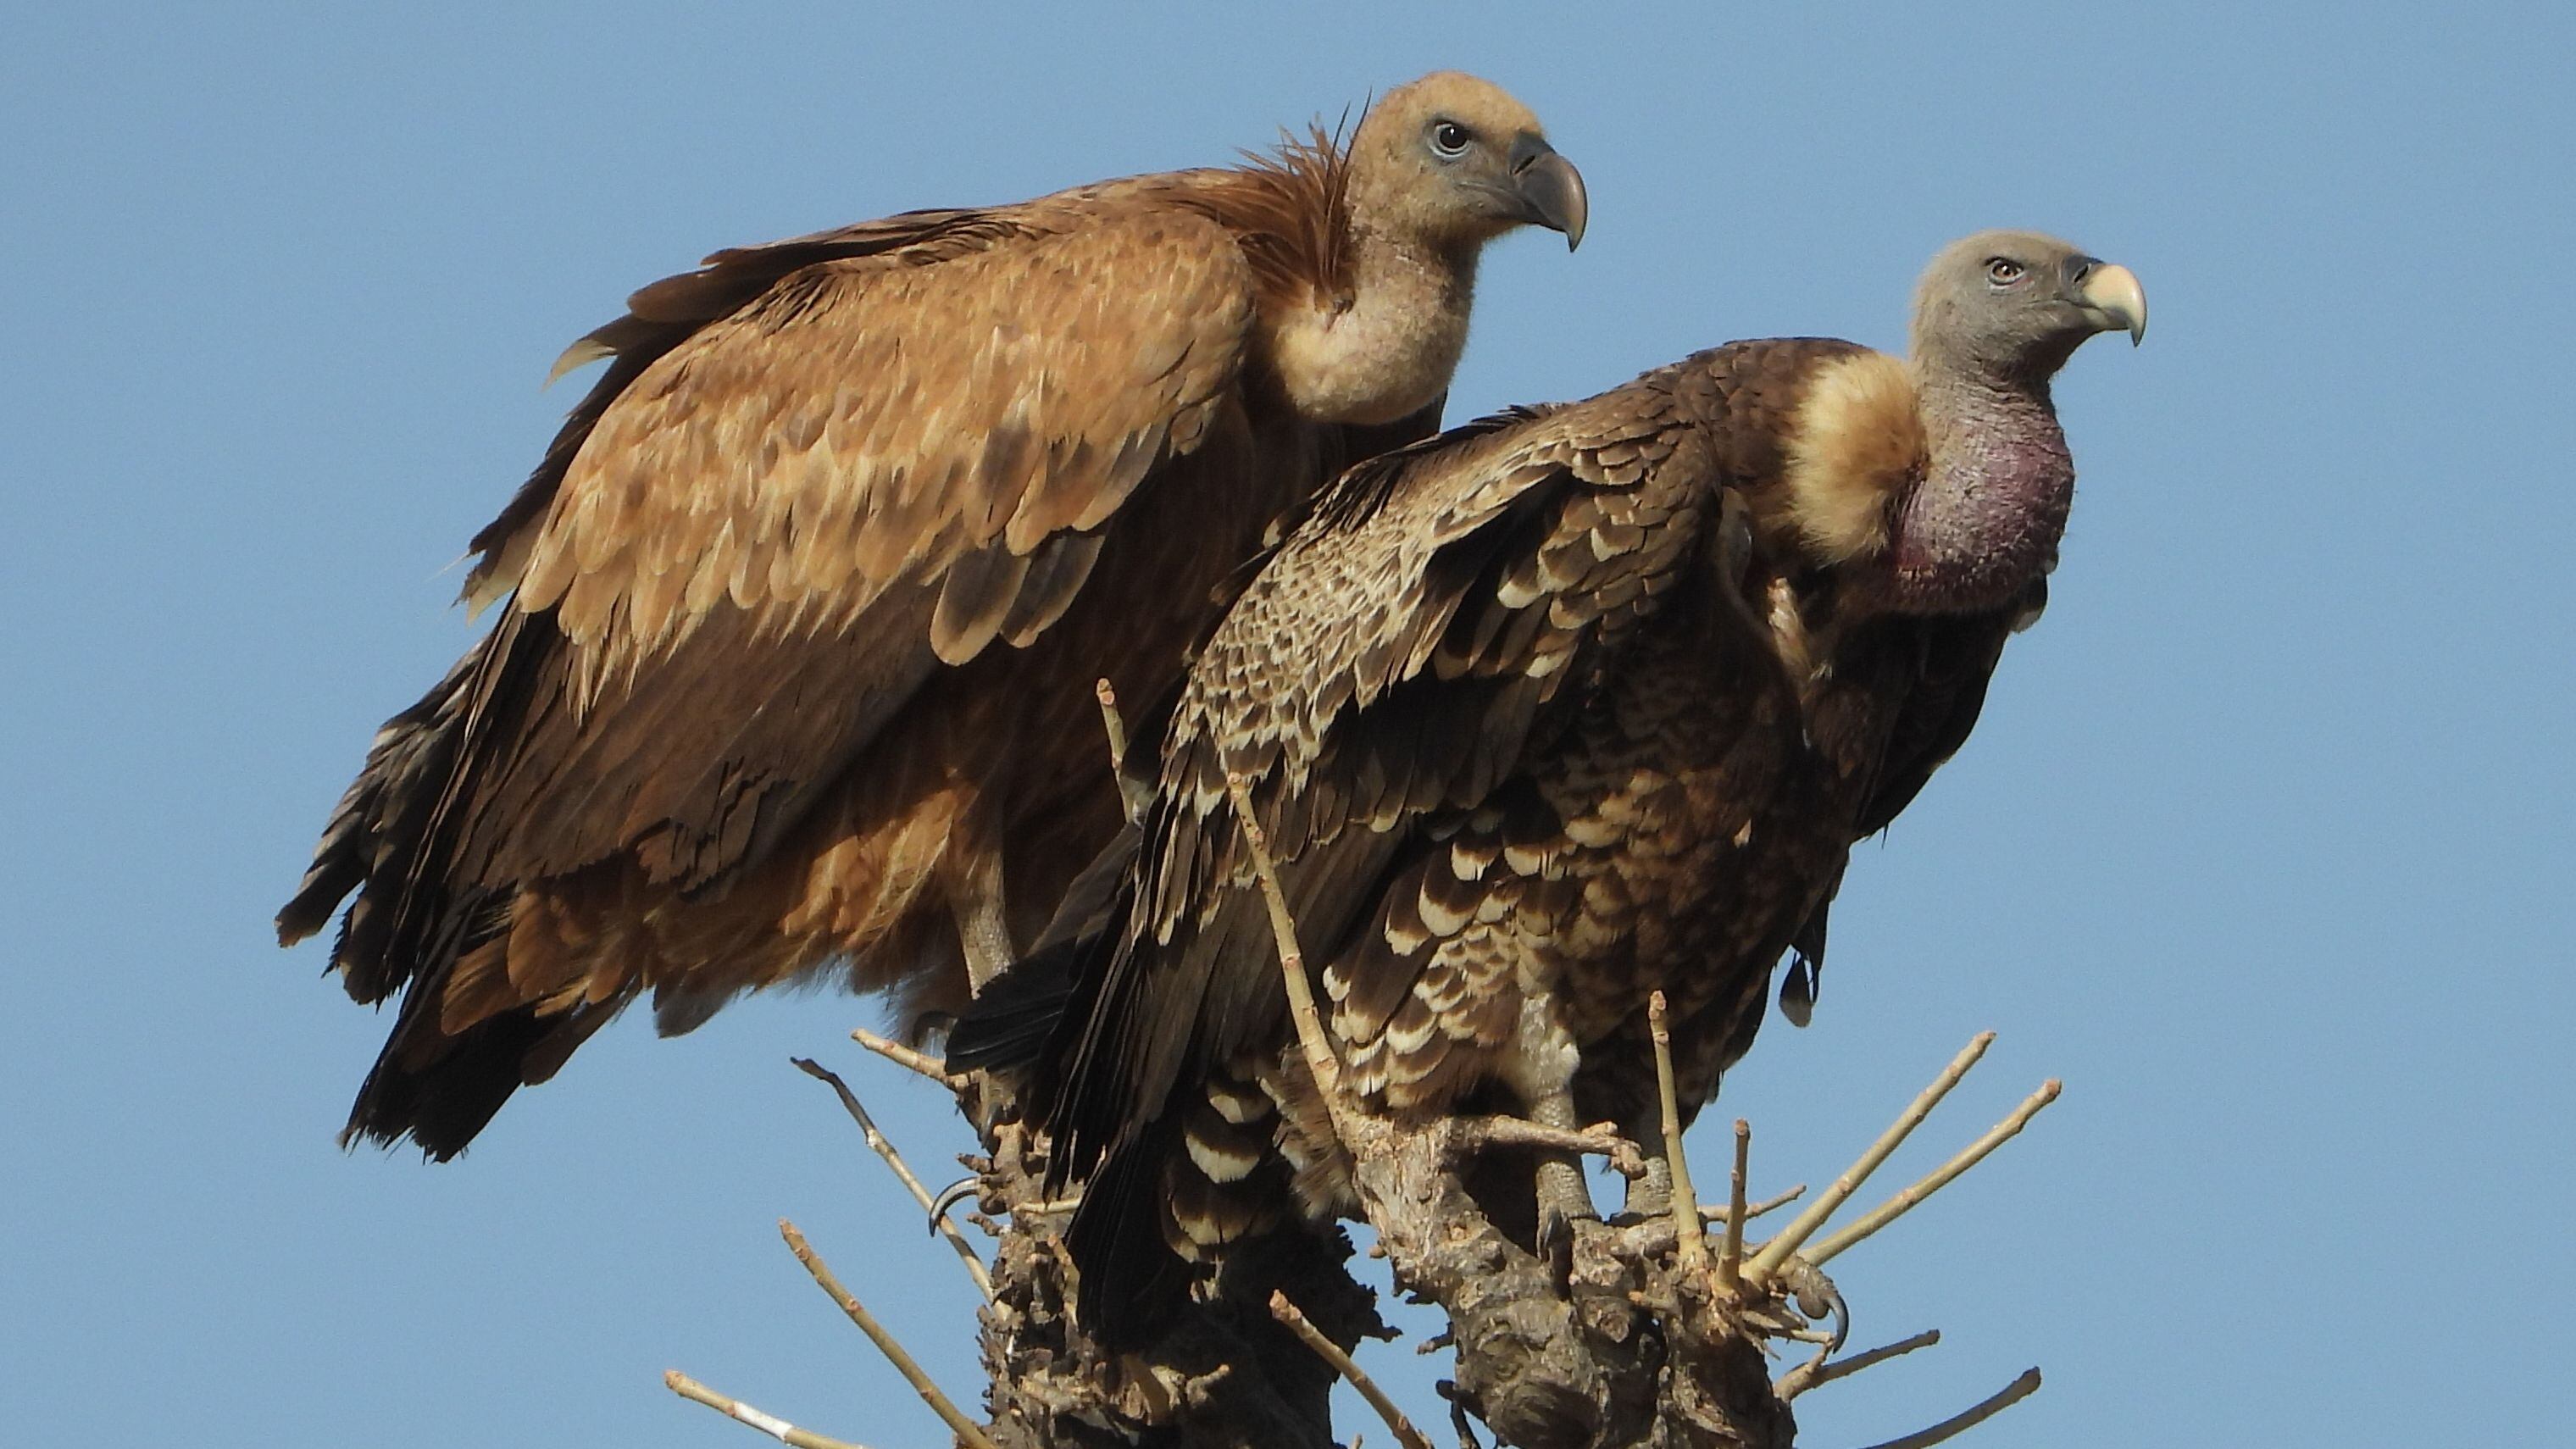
2113	299
1547	190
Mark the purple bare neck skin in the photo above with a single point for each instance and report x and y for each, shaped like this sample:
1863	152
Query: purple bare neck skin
1988	514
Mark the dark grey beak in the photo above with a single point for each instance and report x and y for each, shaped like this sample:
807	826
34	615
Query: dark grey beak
1548	189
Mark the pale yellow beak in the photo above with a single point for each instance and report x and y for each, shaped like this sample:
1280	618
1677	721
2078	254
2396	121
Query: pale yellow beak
2113	291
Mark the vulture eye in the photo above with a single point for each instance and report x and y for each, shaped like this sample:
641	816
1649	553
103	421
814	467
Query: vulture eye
2003	271
1450	139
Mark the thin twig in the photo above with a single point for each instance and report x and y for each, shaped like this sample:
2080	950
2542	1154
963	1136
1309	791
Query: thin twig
1134	793
1940	1177
1798	1380
1110	721
1320	1061
1768	1205
1730	1252
1809	1375
877	1140
733	1408
1690	1238
919	1063
1331	1353
1466	1136
1775	1253
2011	1394
966	1429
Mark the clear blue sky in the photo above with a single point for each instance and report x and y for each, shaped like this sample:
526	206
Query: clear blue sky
2263	845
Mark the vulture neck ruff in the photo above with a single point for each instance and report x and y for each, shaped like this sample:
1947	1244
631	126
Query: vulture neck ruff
1855	446
1386	348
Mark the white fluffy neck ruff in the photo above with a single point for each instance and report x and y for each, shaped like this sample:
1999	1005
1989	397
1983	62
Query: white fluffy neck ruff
1390	347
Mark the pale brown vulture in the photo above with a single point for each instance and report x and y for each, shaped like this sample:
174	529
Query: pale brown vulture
1566	707
805	604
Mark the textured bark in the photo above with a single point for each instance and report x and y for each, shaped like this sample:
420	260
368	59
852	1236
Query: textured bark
1611	1349
1605	1346
1226	1376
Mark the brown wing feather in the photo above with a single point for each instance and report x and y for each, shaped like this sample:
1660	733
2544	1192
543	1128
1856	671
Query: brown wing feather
741	567
812	470
1922	683
1900	696
876	419
664	315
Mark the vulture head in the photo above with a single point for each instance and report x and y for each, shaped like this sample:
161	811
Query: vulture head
2017	304
1454	162
1997	314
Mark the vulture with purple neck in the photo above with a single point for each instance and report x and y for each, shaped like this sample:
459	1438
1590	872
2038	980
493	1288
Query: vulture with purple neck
801	614
1566	707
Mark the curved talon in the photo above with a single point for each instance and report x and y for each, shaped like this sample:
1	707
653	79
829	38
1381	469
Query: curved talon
1817	1297
950	1196
1555	1236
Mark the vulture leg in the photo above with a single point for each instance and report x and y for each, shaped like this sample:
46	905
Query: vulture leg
981	928
1562	1197
971	878
1542	1074
1650	1196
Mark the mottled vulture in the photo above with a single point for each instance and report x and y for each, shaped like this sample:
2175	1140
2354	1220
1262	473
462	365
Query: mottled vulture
806	602
1565	707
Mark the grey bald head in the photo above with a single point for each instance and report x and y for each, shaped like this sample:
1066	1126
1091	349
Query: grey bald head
2016	304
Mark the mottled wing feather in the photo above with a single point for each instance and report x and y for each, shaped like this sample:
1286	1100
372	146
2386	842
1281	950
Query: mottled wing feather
1390	663
1395	688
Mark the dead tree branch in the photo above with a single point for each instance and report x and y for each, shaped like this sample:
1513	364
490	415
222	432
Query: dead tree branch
1969	1156
1816	1371
1754	1210
967	1430
894	1160
1343	1364
1959	1423
920	1064
1775	1253
735	1409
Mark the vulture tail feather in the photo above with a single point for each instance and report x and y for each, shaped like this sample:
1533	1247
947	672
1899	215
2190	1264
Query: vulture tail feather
1016	1015
1133	1285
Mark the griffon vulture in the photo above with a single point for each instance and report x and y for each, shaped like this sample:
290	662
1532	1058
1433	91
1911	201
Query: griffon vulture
802	612
1563	708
